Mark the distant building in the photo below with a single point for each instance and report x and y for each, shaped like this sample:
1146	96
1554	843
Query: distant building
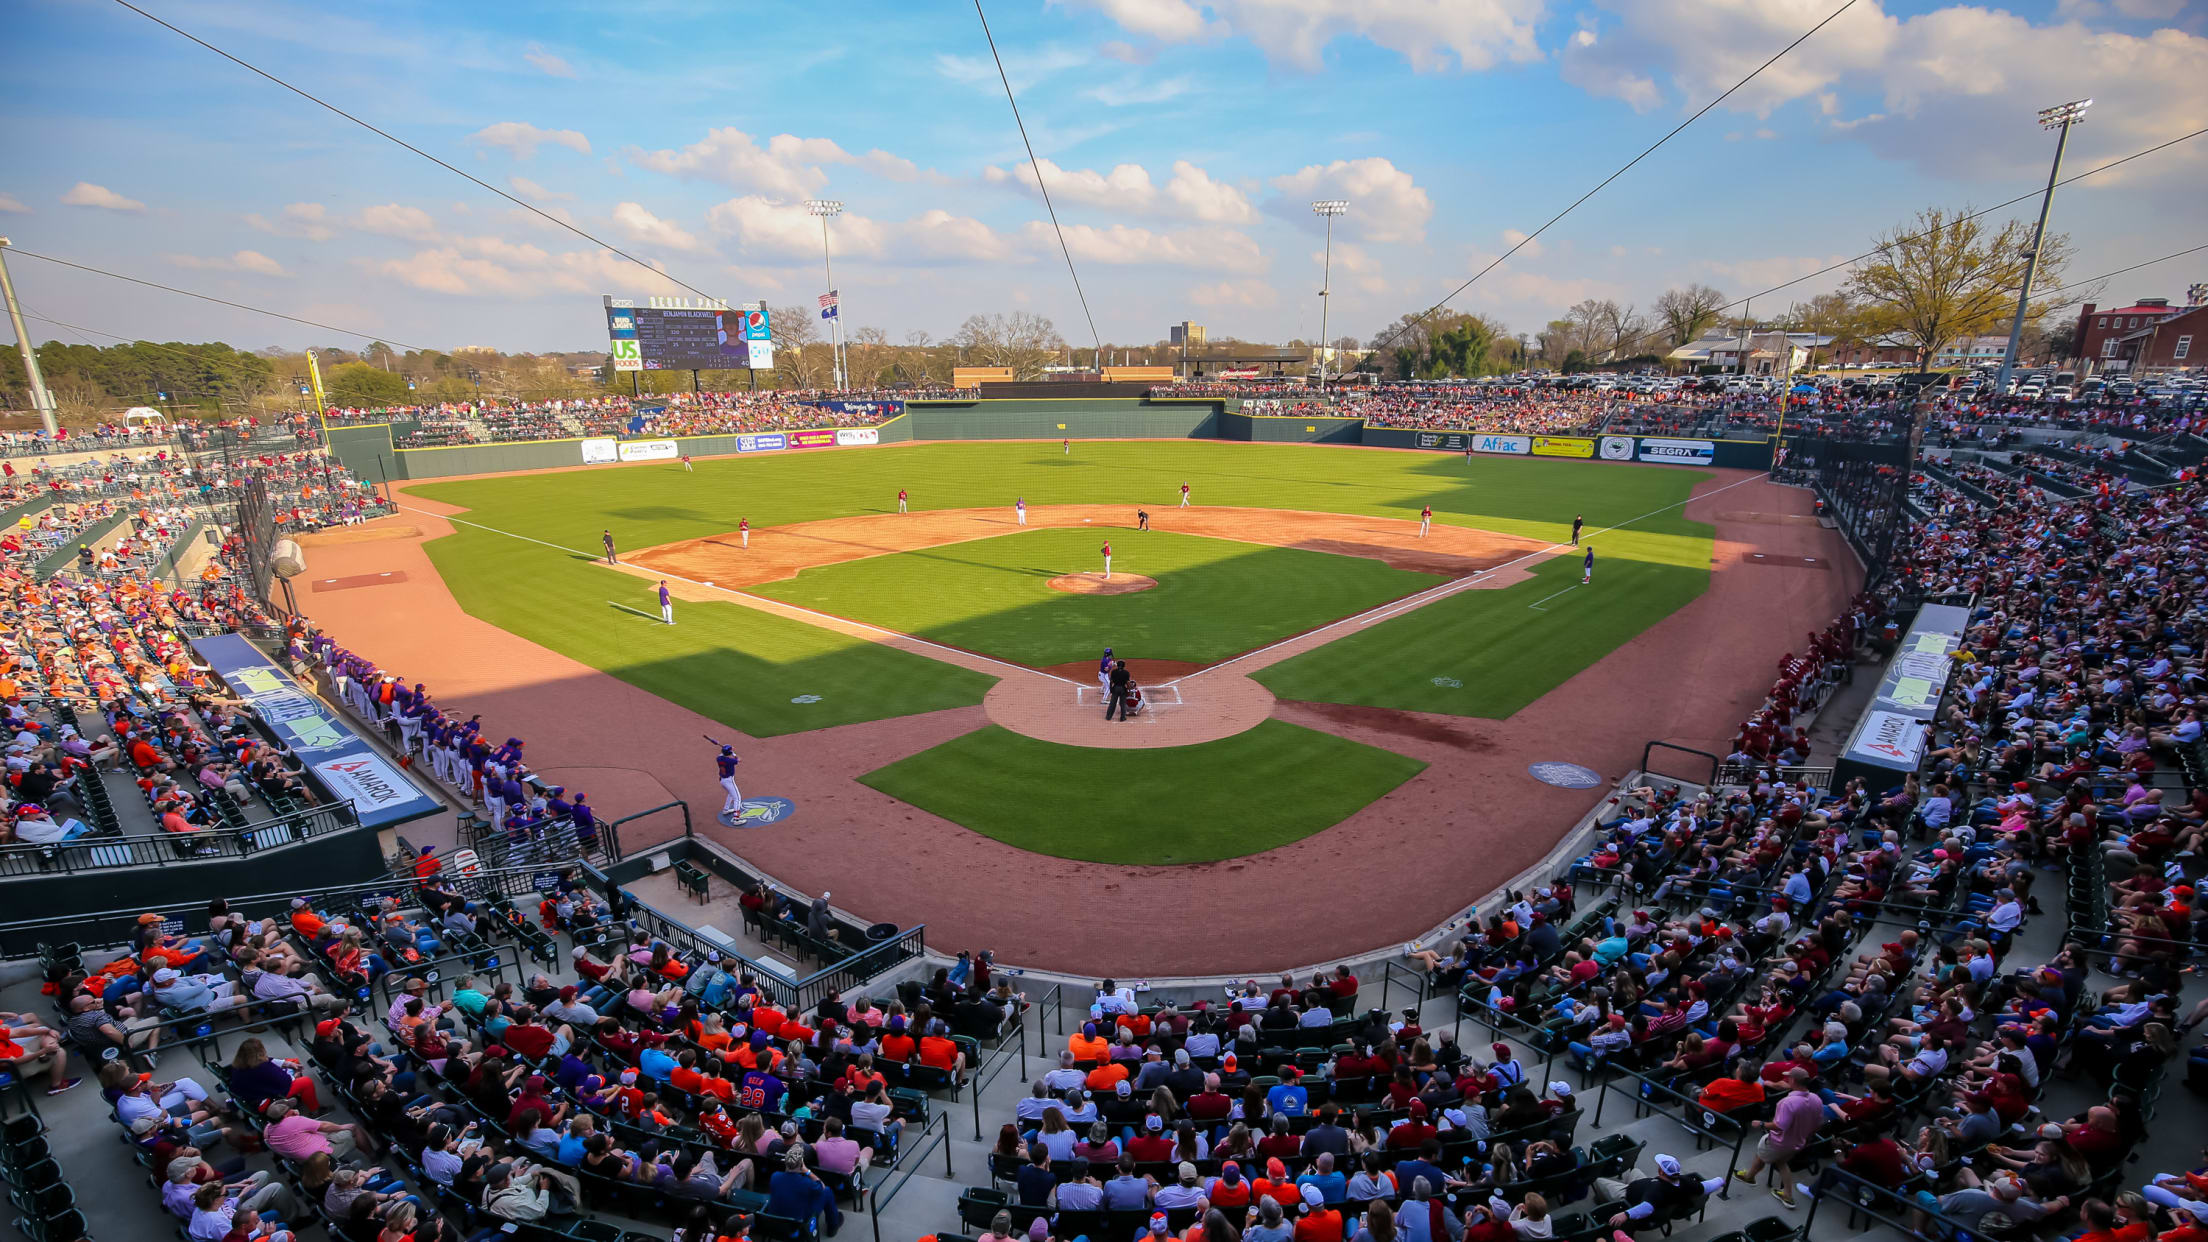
1971	351
1752	353
1185	333
2177	339
1881	351
2100	328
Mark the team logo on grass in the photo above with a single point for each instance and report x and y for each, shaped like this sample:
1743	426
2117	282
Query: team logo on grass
1448	683
806	698
1566	775
759	812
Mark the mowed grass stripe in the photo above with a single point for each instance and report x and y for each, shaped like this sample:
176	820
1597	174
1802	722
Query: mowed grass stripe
1245	794
1501	651
729	662
1214	597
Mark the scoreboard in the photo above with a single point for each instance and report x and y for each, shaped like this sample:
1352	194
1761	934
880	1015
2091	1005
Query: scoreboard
678	334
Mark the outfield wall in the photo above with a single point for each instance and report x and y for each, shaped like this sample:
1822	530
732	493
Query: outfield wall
368	451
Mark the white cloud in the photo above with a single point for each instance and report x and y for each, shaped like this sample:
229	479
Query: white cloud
1191	194
786	167
308	220
520	139
546	62
1512	237
1234	293
86	194
2150	10
1135	91
252	261
1951	89
1203	250
395	220
11	204
1747	275
644	227
537	193
766	229
1361	268
494	267
1385	204
1433	35
1025	66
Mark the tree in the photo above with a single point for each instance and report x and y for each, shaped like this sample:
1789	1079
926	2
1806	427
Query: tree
1443	345
1024	341
1687	313
1942	276
794	330
358	384
1621	330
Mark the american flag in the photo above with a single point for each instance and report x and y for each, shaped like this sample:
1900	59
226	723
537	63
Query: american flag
828	305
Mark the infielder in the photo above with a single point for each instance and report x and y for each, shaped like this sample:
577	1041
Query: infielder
1577	522
1425	520
900	500
687	468
743	530
726	761
1019	509
606	537
1142	519
1587	567
1104	675
666	603
1107	561
1184	495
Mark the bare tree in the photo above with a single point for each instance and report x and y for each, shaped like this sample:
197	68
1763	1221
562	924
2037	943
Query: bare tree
1687	313
794	329
1023	341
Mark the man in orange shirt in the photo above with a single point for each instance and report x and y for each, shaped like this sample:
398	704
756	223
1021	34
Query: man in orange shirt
1723	1095
1087	1045
938	1052
304	920
897	1044
1104	1079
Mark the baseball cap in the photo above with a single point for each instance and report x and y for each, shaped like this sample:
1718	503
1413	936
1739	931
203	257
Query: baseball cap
327	1027
1153	1122
1668	1166
1561	1090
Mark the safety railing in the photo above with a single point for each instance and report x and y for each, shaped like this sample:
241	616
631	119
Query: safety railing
1398	974
772	979
171	848
1905	1214
1053	1002
913	1152
1008	1052
1501	1025
1746	773
1706	780
853	971
1709	1126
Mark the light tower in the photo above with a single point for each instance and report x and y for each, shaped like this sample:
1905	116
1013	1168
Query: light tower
825	208
1326	209
2058	118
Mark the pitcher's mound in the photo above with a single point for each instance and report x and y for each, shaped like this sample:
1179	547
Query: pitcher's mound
1094	584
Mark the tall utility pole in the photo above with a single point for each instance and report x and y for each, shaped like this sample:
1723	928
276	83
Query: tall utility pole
41	400
825	208
2058	118
1326	209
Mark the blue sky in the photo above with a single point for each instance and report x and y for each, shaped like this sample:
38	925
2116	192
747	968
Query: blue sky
1182	141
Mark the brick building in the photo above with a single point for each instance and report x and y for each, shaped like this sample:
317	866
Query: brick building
2177	339
2100	328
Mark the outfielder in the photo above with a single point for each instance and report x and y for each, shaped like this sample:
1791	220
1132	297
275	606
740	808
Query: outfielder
1019	509
687	468
726	761
1425	520
1107	561
1184	495
900	500
666	603
1069	446
743	530
1587	567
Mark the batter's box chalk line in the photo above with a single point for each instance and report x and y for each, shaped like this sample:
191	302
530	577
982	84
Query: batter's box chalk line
1160	696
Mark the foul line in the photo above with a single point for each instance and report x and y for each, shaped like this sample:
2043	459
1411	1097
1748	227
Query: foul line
1433	594
770	605
1536	605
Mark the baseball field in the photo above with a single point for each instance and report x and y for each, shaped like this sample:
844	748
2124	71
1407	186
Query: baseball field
1319	674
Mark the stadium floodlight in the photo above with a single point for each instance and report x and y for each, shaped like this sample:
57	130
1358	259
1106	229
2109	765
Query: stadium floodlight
2058	118
1326	209
41	399
826	208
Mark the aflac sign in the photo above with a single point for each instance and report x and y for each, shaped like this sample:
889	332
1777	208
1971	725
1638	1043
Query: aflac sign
1502	444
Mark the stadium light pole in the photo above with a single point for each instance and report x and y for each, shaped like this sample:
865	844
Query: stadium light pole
2058	118
41	400
1326	209
826	208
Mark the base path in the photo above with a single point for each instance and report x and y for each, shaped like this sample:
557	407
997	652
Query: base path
779	552
1415	857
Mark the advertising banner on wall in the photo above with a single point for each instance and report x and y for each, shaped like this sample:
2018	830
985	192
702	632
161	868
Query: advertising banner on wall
857	435
1484	443
599	450
1451	441
650	450
340	758
1563	446
1679	452
864	409
1617	448
812	439
760	442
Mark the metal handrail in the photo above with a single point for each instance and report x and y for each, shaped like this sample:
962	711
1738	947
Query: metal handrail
908	1163
852	971
1692	1116
103	853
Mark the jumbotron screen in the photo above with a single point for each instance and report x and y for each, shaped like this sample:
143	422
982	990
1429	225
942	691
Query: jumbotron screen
701	338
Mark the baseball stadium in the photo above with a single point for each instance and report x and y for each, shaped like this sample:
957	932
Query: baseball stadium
588	735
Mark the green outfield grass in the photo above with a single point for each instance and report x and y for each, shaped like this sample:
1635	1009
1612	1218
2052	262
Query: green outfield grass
1447	656
1214	597
1240	795
728	662
743	667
